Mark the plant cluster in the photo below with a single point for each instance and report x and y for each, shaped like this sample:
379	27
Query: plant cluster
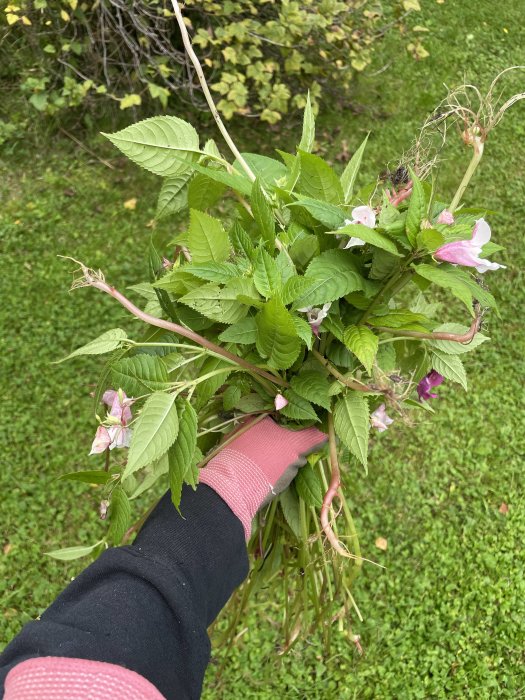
263	55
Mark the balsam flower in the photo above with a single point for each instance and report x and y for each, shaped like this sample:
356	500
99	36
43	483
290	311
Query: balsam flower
364	215
280	402
446	217
119	415
316	316
101	442
425	386
467	252
379	419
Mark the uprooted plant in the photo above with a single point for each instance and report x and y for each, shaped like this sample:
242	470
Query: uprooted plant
309	302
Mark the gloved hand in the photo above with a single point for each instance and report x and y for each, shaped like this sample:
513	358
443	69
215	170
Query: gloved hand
258	465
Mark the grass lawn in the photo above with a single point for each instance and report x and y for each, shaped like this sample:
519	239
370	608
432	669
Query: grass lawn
446	618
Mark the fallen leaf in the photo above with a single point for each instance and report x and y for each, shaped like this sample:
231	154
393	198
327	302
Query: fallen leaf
381	543
8	547
69	192
130	203
503	509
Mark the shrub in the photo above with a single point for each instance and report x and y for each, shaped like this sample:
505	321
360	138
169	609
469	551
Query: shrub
261	55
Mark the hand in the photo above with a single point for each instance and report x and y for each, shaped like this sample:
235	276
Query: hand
258	465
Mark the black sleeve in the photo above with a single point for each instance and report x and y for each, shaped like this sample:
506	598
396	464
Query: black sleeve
147	606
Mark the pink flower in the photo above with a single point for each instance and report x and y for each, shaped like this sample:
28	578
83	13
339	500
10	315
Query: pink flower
360	215
316	316
425	386
280	402
101	442
446	217
467	252
119	405
120	436
380	420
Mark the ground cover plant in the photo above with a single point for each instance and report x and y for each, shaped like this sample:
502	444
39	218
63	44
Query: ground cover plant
464	514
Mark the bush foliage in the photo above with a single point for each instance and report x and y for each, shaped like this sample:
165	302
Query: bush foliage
261	55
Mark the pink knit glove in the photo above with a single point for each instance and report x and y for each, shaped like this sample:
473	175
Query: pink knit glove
258	465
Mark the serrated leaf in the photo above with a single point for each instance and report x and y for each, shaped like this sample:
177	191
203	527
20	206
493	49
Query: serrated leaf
447	278
277	338
236	181
207	239
386	357
452	348
119	515
208	388
334	274
173	196
313	386
153	473
219	303
309	487
268	170
350	172
266	275
303	330
318	180
154	432
140	374
369	235
72	553
290	506
400	318
308	134
263	213
294	288
89	476
212	271
241	241
181	453
231	397
363	343
383	264
327	214
297	407
351	422
243	332
429	239
416	209
203	192
450	366
166	146
108	341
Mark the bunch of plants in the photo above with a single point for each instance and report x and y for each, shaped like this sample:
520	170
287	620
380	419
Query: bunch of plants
313	301
262	56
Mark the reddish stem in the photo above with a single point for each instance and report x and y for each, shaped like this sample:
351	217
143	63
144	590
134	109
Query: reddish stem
397	198
439	335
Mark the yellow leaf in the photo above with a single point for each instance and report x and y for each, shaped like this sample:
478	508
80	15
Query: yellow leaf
12	8
26	21
382	544
130	101
64	15
73	4
11	19
411	5
130	203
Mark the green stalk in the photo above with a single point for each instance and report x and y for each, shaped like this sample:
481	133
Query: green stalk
476	158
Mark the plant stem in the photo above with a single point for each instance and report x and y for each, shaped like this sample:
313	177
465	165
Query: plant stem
398	280
437	335
350	383
207	94
478	153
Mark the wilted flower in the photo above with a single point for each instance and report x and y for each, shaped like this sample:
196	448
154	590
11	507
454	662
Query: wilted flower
280	402
360	215
446	217
467	252
425	386
119	415
379	419
101	442
316	316
103	509
119	405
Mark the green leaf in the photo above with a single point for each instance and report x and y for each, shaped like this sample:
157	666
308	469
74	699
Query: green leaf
448	279
313	386
207	239
181	453
220	303
334	274
308	135
89	476
263	213
285	266
290	506
351	422
203	192
429	239
108	341
328	214
416	209
266	275
239	183
269	170
241	241
153	473
363	343
309	487
72	553
119	515
318	180
212	271
450	366
243	332
164	145
452	348
154	432
303	330
173	196
294	288
231	397
369	235
277	338
140	374
350	172
400	318
386	357
297	407
208	388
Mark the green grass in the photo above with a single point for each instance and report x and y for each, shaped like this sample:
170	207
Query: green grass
446	618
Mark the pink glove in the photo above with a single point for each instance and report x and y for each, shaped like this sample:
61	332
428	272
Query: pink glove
258	465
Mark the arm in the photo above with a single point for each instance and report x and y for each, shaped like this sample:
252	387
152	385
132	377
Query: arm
146	607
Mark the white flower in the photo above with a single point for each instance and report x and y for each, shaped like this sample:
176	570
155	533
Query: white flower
363	215
316	316
379	419
280	402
